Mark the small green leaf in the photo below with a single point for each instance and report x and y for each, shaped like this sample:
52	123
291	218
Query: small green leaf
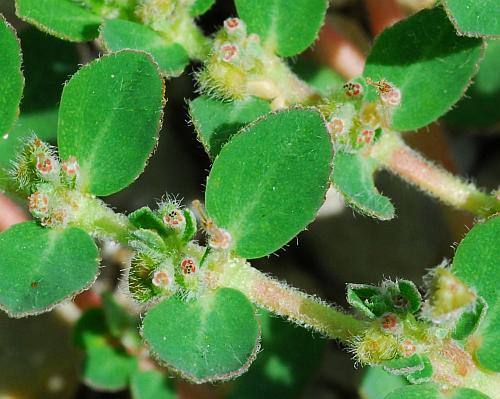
479	107
475	17
269	181
190	228
106	366
151	384
200	7
117	318
279	372
432	66
469	321
41	267
214	337
283	26
64	19
118	34
424	375
476	263
11	78
367	299
109	119
410	296
404	365
145	218
377	383
353	177
216	121
431	391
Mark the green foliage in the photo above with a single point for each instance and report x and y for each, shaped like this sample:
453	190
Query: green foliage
118	34
279	372
151	384
266	196
11	78
42	267
479	107
114	130
469	321
401	297
323	79
377	383
428	62
281	26
65	19
214	337
106	365
353	177
431	391
476	263
217	121
475	17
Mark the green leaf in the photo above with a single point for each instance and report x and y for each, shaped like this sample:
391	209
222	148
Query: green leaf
479	107
216	121
431	391
377	383
367	299
475	17
151	384
279	372
424	375
109	119
281	26
269	181
200	7
428	62
106	366
41	267
11	78
145	218
476	263
353	177
469	321
64	19
214	337
118	34
117	318
404	365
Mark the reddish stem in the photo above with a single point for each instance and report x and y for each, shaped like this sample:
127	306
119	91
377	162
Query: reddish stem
382	14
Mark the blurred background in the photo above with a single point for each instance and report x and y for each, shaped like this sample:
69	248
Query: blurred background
37	356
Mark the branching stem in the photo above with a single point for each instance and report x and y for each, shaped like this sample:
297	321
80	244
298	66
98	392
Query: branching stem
394	155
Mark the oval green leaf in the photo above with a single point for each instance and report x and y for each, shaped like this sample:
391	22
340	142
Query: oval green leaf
118	34
64	19
431	65
200	7
287	28
11	77
353	177
214	337
475	17
217	121
377	383
41	267
269	181
109	119
476	262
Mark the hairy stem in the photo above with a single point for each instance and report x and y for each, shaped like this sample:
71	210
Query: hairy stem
283	300
394	155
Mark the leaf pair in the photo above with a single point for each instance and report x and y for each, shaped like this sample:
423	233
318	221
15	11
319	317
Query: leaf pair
109	119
